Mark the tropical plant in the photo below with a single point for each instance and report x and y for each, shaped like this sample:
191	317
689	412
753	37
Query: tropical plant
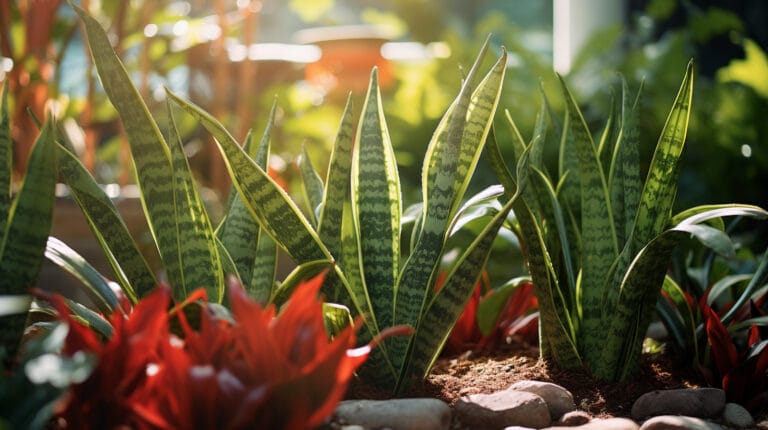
25	220
353	224
254	366
598	239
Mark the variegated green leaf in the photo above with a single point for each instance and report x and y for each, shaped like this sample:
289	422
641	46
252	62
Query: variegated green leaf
131	268
150	153
446	305
376	203
661	183
599	245
311	184
198	257
269	204
337	184
23	240
451	160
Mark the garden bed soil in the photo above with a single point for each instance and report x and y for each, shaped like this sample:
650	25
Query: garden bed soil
489	371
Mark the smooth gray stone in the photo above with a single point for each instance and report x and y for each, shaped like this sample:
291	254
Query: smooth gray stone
503	409
559	400
678	422
396	414
737	416
697	402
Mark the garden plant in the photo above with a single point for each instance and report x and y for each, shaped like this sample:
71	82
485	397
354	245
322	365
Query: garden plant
376	289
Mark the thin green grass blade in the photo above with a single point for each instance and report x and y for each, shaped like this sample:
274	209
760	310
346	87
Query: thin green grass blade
131	268
337	183
311	184
269	204
376	205
198	257
23	240
96	285
150	153
6	158
599	245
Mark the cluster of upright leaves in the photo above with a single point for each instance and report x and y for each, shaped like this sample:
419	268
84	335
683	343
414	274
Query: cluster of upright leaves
25	221
355	222
598	239
191	254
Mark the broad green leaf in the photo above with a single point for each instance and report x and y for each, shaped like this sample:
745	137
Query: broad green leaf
451	159
198	257
336	318
724	286
311	184
96	285
30	217
337	183
758	279
90	318
446	305
299	274
269	204
131	269
376	204
598	233
150	153
22	243
660	186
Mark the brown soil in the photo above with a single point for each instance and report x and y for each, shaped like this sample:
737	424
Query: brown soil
490	371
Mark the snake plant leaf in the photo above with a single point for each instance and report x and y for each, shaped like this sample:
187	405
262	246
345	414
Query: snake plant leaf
660	187
130	267
149	151
451	157
337	183
624	180
482	204
598	232
446	304
269	204
6	158
23	240
376	200
198	257
492	304
311	184
299	274
238	231
97	286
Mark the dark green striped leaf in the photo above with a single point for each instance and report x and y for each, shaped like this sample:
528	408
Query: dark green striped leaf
269	204
6	159
130	267
311	184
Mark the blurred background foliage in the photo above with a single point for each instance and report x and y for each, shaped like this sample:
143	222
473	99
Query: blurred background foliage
203	49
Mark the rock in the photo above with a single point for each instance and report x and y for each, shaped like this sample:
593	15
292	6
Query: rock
573	418
396	414
699	402
559	400
517	428
503	409
678	422
602	424
735	415
353	427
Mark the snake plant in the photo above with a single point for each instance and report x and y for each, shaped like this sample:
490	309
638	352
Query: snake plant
25	221
357	228
598	239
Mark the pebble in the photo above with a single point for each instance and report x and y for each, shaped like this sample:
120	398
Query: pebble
396	414
602	424
574	418
503	409
559	400
698	402
737	416
678	422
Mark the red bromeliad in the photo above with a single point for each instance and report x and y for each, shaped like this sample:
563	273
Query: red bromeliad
266	370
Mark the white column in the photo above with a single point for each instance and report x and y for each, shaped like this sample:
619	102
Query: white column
574	22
